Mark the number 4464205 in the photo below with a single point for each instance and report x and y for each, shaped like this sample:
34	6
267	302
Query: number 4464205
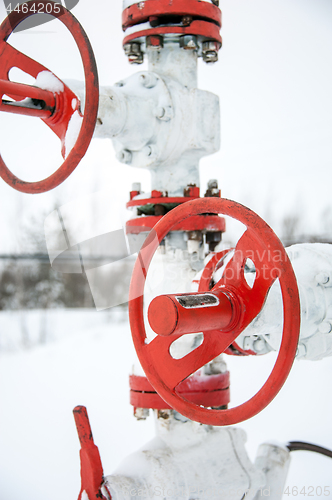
309	491
35	8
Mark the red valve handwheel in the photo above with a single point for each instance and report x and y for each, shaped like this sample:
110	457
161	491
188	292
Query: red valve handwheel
261	245
66	102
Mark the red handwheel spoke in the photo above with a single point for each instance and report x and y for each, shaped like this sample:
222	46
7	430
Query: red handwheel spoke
234	271
250	247
174	371
213	265
13	58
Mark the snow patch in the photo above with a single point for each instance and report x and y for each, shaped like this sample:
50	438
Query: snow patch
73	130
47	81
128	3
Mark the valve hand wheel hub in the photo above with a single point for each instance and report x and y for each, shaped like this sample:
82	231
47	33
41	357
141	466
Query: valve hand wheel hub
222	313
57	106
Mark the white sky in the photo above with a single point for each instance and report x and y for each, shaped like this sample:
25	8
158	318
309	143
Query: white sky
274	80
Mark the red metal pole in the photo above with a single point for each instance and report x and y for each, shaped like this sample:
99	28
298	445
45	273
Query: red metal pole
20	91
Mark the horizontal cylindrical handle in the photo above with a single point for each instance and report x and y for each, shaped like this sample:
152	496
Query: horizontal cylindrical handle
21	91
17	109
190	313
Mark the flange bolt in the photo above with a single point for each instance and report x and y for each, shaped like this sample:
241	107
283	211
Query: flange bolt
134	52
141	413
154	42
188	42
212	188
210	51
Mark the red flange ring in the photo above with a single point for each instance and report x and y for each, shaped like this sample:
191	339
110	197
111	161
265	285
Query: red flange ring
204	19
91	92
208	31
202	390
139	13
209	223
165	372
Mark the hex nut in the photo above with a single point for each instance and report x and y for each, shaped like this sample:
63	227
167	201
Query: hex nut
212	188
134	52
136	59
210	51
132	48
141	413
210	57
154	42
212	184
187	20
188	42
210	45
164	414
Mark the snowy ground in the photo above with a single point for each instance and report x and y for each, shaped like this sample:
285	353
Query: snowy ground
86	360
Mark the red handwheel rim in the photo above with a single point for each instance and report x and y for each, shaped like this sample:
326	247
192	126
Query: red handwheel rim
291	305
91	103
